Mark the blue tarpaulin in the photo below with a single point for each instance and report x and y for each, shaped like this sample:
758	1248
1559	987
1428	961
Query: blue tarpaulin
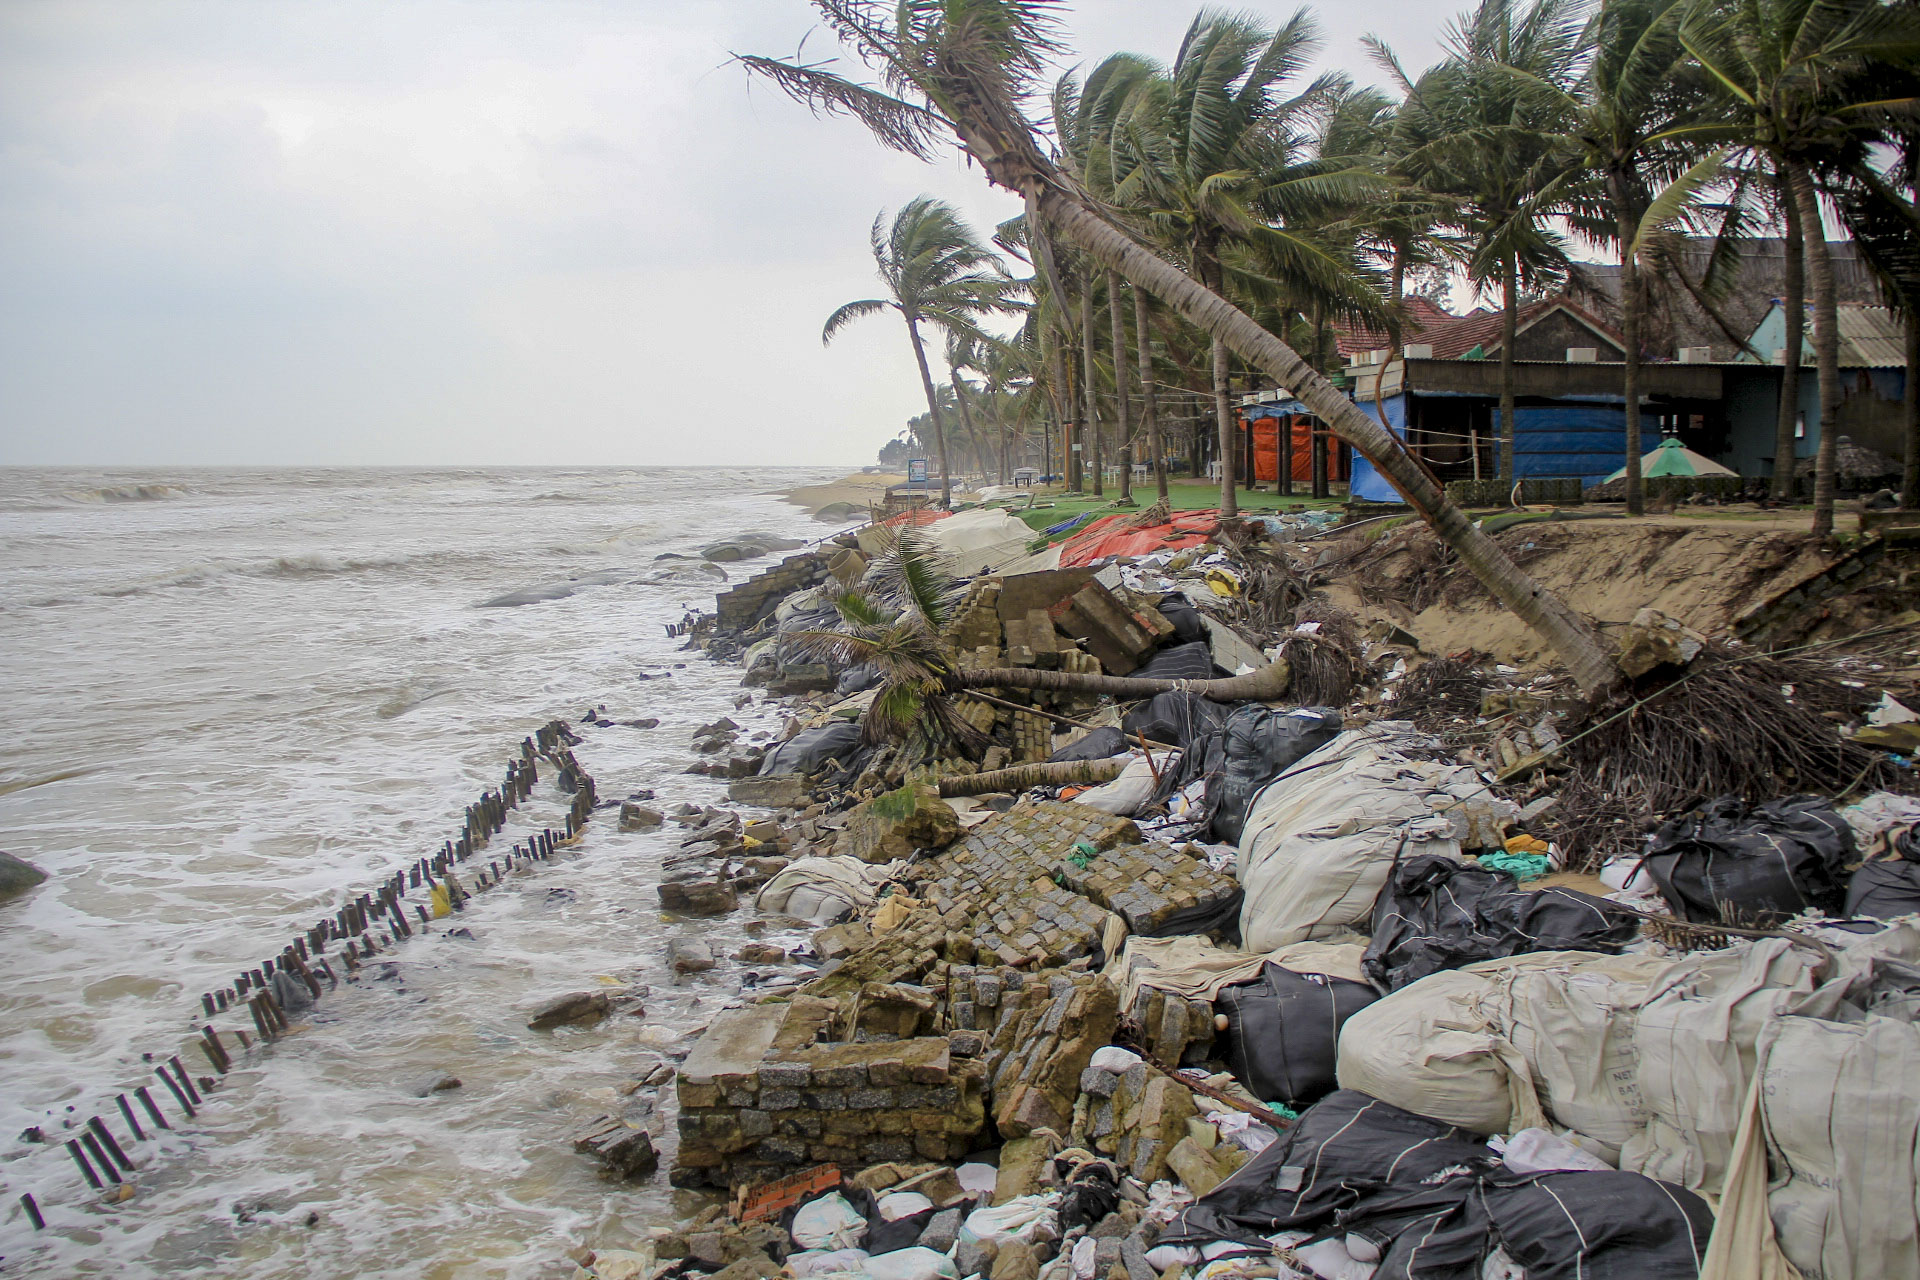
1364	482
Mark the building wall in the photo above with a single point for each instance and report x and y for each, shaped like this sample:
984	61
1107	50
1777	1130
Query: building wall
1553	334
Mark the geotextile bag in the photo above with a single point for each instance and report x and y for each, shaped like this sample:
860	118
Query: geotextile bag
1724	863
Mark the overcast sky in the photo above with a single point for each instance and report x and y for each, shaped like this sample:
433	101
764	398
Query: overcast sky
462	231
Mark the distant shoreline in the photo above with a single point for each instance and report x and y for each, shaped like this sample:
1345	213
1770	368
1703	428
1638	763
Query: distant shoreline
858	489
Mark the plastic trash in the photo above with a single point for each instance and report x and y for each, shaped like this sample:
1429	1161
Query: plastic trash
1884	889
976	1178
828	1223
1538	1150
1727	864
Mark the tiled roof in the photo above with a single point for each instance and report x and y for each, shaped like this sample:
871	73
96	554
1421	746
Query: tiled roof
1453	336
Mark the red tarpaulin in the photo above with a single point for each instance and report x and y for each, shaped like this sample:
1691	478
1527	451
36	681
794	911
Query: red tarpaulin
1111	536
915	518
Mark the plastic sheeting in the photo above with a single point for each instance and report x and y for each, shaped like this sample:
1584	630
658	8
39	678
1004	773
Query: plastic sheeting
980	540
811	749
1253	747
1115	536
1366	483
821	890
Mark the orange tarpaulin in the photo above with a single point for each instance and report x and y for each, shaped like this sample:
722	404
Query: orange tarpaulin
915	518
1111	536
1266	452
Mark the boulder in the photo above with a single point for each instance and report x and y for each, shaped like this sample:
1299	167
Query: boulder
760	953
637	817
1654	640
1015	1261
898	824
698	897
16	877
688	954
942	1231
626	1151
974	1257
573	1009
784	791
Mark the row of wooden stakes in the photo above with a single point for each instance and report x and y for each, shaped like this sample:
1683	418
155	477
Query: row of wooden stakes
363	927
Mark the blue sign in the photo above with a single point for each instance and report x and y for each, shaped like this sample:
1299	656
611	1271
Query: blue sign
916	470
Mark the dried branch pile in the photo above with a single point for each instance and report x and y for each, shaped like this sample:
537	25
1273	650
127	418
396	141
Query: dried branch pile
1736	724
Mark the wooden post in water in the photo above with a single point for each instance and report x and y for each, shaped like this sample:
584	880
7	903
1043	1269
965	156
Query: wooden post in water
126	1113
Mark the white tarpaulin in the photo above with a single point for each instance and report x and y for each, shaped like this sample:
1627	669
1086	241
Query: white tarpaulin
980	540
821	890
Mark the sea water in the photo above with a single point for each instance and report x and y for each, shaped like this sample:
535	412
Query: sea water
230	700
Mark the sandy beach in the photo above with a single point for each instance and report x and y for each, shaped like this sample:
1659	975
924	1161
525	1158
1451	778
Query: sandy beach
860	488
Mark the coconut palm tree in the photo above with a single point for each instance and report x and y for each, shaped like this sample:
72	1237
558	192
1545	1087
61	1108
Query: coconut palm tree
965	70
937	273
1802	90
1628	125
1218	157
1478	133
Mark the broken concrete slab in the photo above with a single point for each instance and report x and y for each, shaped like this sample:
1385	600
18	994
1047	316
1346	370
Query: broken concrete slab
573	1009
898	824
1107	627
1230	651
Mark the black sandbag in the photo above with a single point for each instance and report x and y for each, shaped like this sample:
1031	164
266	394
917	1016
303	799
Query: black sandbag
1178	662
810	750
1099	744
1256	744
1188	625
1579	1225
1342	1150
1175	718
1283	1031
1726	864
858	679
1435	913
1884	890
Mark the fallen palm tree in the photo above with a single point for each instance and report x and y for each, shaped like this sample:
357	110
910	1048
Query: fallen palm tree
1024	777
1264	685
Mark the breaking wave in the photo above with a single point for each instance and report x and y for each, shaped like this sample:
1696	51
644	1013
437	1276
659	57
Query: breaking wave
126	493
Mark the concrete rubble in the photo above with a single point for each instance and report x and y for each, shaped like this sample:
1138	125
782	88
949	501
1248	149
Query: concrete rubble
956	1073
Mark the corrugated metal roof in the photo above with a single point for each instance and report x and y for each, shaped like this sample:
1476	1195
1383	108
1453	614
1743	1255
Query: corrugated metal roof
1870	338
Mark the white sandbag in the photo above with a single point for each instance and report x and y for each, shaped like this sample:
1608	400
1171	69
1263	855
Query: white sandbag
1842	1121
902	1204
821	890
913	1263
1024	1218
1320	839
828	1223
1428	1049
824	1262
1698	1034
1505	1044
1695	1040
1127	794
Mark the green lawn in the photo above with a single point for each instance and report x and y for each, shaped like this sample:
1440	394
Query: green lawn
1051	506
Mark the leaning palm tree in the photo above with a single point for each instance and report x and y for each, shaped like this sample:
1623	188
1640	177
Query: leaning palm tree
938	273
965	70
1799	84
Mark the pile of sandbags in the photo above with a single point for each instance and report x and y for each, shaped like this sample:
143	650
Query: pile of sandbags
1320	839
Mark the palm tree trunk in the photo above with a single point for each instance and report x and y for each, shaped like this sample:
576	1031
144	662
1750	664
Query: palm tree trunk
1149	409
1786	426
1089	395
1509	327
1826	344
1267	683
933	408
1223	419
1910	409
1571	637
1122	411
1023	777
966	417
1064	409
1629	226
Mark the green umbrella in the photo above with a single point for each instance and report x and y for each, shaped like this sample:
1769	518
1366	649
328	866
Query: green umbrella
1674	459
